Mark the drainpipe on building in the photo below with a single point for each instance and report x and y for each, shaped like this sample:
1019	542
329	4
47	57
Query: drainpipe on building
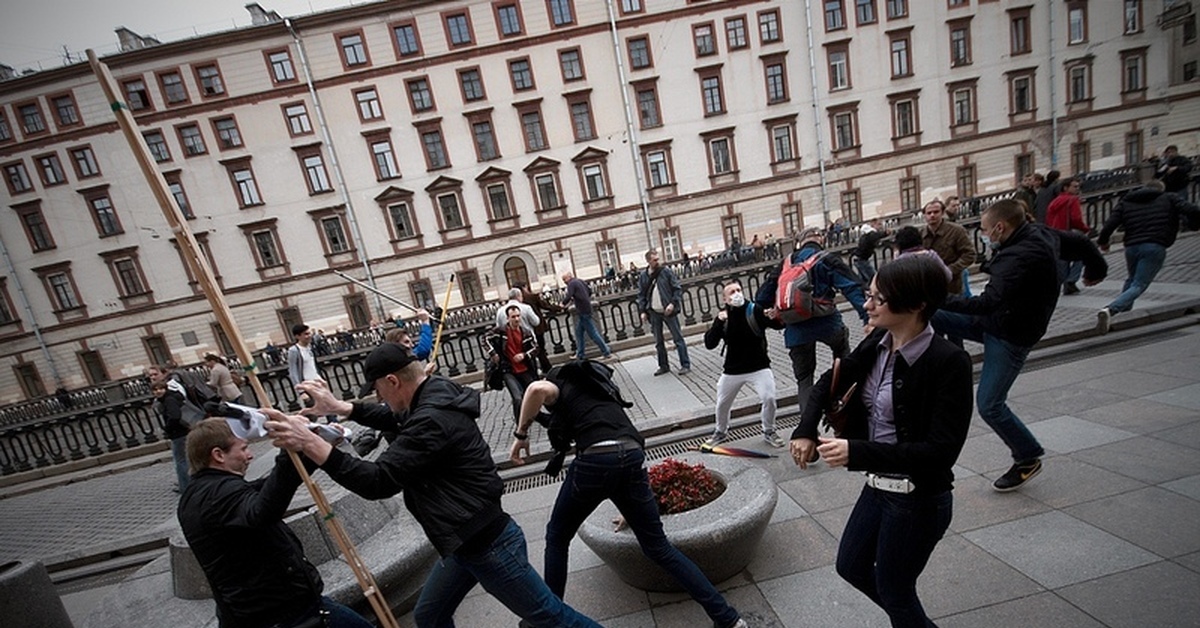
816	105
37	330
337	169
635	154
1053	97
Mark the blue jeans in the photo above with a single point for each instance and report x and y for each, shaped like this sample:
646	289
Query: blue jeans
338	616
885	546
866	270
1070	272
660	343
1002	362
179	454
620	476
1142	261
585	324
504	571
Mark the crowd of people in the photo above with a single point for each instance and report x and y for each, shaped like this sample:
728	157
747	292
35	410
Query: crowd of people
897	408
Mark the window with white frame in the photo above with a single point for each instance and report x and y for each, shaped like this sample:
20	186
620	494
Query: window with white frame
735	33
904	117
631	6
609	257
1022	93
32	122
384	159
839	68
508	18
835	15
960	43
672	244
314	173
50	169
175	186
703	40
714	99
864	11
1133	76
1018	32
105	216
17	178
245	186
720	155
136	94
129	277
297	119
368	104
282	70
901	55
964	105
1079	83
910	195
1076	22
783	142
768	27
85	162
656	166
62	291
354	51
897	8
843	130
173	88
498	201
1133	16
65	111
593	182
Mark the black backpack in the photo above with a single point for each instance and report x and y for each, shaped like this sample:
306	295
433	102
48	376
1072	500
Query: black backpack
590	374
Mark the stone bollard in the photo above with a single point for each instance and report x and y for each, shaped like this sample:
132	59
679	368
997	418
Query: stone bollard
188	581
28	598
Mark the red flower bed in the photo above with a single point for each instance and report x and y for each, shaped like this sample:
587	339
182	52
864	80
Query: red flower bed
679	486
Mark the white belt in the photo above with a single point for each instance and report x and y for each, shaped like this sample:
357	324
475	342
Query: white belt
890	484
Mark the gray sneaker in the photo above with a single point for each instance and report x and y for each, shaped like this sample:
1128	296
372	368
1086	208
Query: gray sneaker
773	439
716	439
1104	320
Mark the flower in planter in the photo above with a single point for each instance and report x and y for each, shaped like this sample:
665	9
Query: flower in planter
679	486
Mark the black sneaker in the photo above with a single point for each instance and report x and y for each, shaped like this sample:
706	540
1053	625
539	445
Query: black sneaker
1017	476
1070	288
662	371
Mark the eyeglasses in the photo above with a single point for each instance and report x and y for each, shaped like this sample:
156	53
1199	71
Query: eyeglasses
877	298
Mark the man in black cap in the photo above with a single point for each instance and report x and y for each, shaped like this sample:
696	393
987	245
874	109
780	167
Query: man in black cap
444	466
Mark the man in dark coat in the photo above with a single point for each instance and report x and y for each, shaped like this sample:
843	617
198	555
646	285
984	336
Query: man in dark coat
660	301
1150	217
1174	171
1011	315
864	253
512	349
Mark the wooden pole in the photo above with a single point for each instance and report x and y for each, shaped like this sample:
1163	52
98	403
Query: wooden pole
437	342
198	264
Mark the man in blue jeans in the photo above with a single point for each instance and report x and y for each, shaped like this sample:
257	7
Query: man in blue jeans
579	295
1011	315
660	300
1150	217
444	466
586	408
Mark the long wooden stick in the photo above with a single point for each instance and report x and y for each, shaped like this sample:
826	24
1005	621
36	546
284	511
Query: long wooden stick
370	288
198	264
437	342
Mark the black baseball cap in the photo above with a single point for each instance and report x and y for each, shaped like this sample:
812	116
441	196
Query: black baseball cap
384	360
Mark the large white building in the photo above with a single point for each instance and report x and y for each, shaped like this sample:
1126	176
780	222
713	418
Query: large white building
492	141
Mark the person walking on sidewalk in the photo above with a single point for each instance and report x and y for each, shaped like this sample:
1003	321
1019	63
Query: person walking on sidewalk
1011	315
949	240
1150	217
907	418
864	253
580	296
444	467
587	408
254	563
659	300
742	325
1066	214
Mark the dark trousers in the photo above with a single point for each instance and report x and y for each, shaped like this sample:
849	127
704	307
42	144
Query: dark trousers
620	476
543	354
516	383
885	546
804	360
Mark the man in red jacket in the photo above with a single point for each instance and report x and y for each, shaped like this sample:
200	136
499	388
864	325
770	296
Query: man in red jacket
1066	214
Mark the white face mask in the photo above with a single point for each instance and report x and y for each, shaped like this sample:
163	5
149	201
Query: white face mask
737	299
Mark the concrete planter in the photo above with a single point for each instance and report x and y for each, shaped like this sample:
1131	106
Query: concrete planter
720	537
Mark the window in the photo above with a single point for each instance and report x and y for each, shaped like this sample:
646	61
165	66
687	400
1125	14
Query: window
631	6
852	206
532	129
34	223
29	379
845	133
1133	16
179	194
965	178
959	3
17	178
6	134
208	77
280	62
776	77
910	195
85	162
485	140
963	103
137	97
792	219
227	132
508	18
450	211
735	33
333	235
7	315
499	205
191	140
103	213
472	85
783	142
422	293
384	159
835	16
720	155
458	30
608	254
639	53
546	185
65	111
672	247
405	37
581	117
657	169
1079	82
1133	70
896	8
368	104
50	169
401	220
1080	157
127	272
61	288
157	145
649	114
315	175
32	122
1076	21
1019	38
703	40
173	88
266	249
354	49
839	66
1024	165
1020	87
904	117
864	12
901	53
562	12
593	182
419	95
244	185
435	149
469	286
711	94
1133	148
731	229
571	63
960	43
1189	69
297	119
521	73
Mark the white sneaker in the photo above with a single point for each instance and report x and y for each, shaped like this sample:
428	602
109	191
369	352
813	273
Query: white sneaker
773	439
1103	321
716	439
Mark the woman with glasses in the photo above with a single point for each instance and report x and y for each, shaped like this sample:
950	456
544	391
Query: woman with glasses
907	396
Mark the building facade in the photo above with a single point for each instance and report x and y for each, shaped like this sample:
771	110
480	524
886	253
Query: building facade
505	140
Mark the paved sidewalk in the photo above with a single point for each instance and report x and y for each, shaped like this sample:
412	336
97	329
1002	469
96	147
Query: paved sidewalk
1112	521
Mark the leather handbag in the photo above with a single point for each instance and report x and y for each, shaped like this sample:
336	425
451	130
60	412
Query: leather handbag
835	414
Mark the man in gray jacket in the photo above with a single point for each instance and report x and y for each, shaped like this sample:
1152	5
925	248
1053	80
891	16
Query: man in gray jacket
658	299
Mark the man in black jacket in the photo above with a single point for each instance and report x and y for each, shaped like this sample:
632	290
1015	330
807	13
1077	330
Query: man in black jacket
864	253
1150	217
444	466
660	301
512	348
1012	314
252	559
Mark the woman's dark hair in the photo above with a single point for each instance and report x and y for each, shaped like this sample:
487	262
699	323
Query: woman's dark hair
907	238
916	283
